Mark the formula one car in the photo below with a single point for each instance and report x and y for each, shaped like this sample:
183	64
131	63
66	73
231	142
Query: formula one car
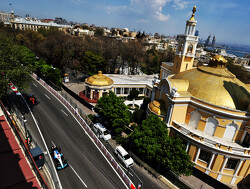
31	100
58	158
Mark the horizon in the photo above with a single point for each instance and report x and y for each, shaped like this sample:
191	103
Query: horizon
226	19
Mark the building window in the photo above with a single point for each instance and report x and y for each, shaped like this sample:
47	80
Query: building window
140	90
246	141
205	156
231	164
230	131
186	66
211	126
195	118
126	90
118	90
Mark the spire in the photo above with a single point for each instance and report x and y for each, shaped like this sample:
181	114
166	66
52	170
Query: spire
192	17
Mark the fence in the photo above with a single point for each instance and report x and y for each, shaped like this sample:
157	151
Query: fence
24	147
28	134
83	119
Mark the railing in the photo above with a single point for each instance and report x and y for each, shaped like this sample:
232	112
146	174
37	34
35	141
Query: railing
24	147
86	98
90	132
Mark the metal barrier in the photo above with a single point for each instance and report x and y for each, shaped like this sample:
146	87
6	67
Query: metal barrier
90	132
24	147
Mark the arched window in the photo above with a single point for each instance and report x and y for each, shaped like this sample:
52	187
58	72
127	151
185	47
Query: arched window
190	48
211	126
194	119
230	131
164	90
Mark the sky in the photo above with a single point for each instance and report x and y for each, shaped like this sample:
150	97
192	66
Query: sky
228	20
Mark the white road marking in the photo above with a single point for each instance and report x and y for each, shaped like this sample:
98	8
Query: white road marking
78	176
53	143
34	84
47	96
64	112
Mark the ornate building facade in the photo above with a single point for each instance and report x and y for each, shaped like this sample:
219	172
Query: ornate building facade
209	108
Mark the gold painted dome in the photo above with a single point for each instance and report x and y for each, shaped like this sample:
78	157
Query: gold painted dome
216	86
158	107
219	58
99	80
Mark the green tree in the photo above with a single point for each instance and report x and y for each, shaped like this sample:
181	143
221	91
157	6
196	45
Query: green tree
113	112
99	31
16	64
148	136
133	94
151	140
172	155
93	62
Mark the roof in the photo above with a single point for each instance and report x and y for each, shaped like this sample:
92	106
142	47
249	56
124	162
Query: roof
215	85
99	80
131	79
38	22
158	107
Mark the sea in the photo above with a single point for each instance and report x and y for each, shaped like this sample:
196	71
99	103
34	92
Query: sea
237	50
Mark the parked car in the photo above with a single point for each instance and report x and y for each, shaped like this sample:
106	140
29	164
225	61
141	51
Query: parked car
124	156
101	131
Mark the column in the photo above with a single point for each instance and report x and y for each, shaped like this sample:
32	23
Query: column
186	29
236	171
91	94
223	166
210	163
153	95
193	29
188	144
197	155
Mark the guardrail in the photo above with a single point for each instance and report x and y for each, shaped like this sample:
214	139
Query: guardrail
90	132
24	147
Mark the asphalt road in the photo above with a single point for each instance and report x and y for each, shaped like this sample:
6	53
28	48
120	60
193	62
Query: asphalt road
88	167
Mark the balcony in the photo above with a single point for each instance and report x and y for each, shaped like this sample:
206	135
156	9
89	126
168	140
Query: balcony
209	141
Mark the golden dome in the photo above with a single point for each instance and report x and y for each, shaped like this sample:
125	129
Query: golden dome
99	80
219	58
216	86
158	107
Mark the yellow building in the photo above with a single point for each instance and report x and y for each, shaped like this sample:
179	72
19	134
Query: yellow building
209	108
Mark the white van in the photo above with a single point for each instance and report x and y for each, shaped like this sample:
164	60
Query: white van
101	131
124	156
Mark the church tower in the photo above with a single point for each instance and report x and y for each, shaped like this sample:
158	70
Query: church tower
187	43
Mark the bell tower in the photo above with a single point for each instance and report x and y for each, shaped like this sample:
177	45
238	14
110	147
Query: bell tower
185	54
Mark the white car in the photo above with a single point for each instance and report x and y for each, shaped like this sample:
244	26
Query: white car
101	131
124	156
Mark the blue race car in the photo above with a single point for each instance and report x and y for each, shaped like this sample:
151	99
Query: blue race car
58	158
